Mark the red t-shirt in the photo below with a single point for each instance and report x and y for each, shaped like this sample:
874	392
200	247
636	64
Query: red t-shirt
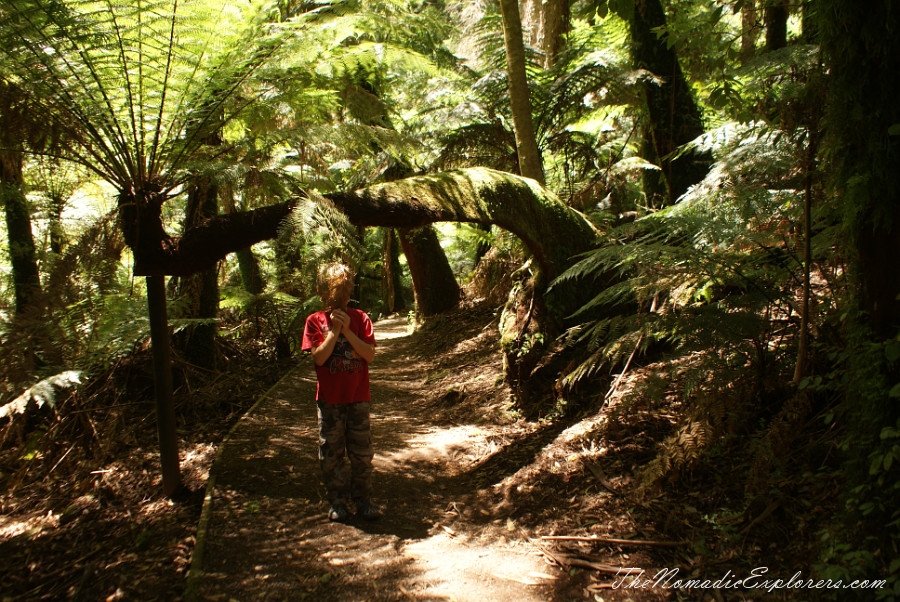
342	378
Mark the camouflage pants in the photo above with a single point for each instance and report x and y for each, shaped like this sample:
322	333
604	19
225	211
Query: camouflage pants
345	433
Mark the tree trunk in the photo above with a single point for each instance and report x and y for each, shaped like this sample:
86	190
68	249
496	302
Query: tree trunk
530	164
553	232
251	276
434	284
862	50
22	255
202	289
555	18
674	116
749	30
530	12
544	26
776	18
162	383
865	144
392	284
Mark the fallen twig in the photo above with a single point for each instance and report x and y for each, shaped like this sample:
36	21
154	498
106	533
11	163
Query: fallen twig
602	568
614	541
566	562
765	514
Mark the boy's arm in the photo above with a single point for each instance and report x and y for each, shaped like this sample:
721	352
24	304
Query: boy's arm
363	349
321	353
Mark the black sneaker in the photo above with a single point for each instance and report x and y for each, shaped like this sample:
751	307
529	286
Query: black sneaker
368	510
338	513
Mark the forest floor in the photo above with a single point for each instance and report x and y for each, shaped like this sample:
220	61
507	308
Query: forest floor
468	490
479	502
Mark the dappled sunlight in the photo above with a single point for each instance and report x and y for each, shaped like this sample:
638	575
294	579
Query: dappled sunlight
391	328
465	499
32	526
435	445
462	571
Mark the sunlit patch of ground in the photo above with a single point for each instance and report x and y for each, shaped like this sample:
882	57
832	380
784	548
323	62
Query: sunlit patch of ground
460	570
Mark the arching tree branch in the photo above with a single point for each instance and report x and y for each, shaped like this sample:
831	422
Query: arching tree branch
553	232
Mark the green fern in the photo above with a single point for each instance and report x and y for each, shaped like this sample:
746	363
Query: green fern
712	267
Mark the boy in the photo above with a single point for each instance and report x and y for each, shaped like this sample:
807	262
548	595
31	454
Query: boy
342	342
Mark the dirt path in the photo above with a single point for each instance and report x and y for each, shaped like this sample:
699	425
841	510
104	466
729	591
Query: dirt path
267	537
467	488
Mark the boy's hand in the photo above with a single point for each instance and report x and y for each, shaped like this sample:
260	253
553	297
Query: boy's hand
339	320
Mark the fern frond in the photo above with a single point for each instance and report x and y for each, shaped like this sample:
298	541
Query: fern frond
324	230
715	266
41	393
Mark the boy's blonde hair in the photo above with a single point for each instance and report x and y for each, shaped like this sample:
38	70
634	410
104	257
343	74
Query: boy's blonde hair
332	276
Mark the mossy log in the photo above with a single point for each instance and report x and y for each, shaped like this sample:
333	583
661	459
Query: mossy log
553	232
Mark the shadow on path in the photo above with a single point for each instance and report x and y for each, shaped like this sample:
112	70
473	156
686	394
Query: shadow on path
264	534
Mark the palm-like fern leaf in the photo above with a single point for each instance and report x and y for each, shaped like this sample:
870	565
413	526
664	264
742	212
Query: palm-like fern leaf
138	85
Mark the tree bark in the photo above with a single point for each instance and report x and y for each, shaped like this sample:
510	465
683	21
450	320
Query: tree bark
22	254
392	285
865	146
862	52
434	284
776	18
749	30
530	164
544	26
674	116
251	276
162	383
555	17
201	289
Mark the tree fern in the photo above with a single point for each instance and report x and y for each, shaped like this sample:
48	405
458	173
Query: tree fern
139	85
713	268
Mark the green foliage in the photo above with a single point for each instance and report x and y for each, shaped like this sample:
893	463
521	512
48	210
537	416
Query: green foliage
324	231
275	317
41	393
139	86
712	277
